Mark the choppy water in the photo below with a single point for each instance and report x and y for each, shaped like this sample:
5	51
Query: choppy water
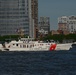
38	63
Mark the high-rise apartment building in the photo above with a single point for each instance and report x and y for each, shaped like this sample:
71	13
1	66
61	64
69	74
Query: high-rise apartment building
67	23
44	25
35	16
72	24
62	23
17	14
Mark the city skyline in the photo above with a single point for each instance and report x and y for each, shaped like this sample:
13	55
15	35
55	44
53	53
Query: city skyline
55	9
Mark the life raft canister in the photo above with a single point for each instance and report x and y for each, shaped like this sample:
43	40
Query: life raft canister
52	47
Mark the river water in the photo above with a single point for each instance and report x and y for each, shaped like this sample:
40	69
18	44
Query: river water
38	63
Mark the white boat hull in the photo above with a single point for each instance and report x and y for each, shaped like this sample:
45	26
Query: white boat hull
65	46
58	47
34	46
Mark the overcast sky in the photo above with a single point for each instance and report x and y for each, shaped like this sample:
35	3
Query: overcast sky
55	9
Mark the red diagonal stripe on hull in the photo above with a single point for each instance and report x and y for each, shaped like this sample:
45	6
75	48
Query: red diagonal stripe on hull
52	47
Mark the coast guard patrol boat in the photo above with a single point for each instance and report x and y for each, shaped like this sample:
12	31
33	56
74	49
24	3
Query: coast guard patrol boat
28	44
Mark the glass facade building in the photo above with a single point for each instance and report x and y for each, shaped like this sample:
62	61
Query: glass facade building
16	14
